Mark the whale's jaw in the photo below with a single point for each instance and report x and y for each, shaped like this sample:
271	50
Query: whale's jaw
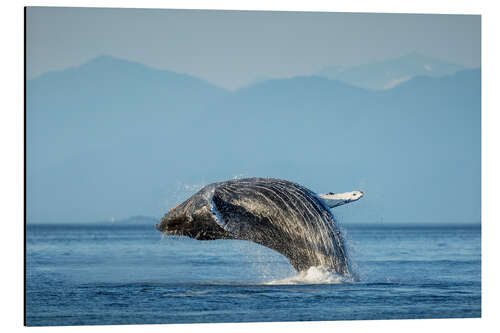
195	219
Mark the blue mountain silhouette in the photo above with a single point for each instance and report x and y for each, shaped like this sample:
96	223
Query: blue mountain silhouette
389	73
113	138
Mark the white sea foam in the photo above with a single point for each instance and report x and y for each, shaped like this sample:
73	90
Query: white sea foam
314	275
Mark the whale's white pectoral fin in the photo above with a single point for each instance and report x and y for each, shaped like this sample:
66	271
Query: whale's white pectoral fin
339	199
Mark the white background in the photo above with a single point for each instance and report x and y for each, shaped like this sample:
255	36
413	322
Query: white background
12	161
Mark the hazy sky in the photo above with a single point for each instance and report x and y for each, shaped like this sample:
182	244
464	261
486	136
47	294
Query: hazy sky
233	48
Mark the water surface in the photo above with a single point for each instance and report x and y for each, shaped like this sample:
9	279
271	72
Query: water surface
123	274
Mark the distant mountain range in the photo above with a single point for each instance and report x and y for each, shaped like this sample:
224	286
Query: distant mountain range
114	138
387	74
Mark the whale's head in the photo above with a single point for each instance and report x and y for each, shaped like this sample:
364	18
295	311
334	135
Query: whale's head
193	218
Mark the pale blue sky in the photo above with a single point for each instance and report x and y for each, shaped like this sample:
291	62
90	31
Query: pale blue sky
233	48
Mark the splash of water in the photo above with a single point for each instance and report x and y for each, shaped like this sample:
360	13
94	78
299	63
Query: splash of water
314	275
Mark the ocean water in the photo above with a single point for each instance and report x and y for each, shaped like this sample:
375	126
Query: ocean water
123	274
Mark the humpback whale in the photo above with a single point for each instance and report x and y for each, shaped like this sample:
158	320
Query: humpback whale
275	213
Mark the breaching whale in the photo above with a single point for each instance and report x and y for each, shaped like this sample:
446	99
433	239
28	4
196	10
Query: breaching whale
275	213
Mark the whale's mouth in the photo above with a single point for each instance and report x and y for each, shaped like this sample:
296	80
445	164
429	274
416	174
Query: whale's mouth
172	228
